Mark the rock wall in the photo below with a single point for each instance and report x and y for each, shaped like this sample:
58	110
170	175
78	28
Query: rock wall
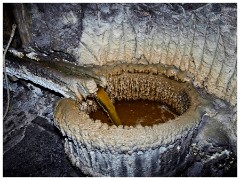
200	38
197	38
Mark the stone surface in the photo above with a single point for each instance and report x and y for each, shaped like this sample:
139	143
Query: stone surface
26	103
200	39
54	74
32	146
39	154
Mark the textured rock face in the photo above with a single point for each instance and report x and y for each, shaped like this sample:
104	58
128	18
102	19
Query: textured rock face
200	39
64	78
31	145
27	102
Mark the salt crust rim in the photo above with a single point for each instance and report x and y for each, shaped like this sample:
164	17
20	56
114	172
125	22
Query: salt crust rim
97	135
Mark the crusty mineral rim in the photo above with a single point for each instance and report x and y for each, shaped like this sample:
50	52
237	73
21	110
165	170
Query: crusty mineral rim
78	126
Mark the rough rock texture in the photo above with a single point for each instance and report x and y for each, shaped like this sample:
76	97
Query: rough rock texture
64	78
27	102
215	144
32	146
39	154
200	39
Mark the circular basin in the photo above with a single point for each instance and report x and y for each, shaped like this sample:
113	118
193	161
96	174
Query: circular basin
156	149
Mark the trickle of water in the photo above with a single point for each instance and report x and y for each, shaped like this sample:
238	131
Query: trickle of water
107	105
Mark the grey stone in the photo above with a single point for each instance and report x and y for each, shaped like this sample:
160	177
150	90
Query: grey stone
39	153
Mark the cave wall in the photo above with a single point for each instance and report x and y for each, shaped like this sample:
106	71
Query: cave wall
199	38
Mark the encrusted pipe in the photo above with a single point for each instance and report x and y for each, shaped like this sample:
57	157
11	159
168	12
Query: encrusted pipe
62	77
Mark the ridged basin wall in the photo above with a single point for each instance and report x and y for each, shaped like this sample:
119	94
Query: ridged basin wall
158	150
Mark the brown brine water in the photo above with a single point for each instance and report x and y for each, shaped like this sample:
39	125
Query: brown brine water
132	113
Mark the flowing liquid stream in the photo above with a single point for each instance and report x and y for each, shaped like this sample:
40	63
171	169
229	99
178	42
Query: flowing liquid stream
108	106
131	113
